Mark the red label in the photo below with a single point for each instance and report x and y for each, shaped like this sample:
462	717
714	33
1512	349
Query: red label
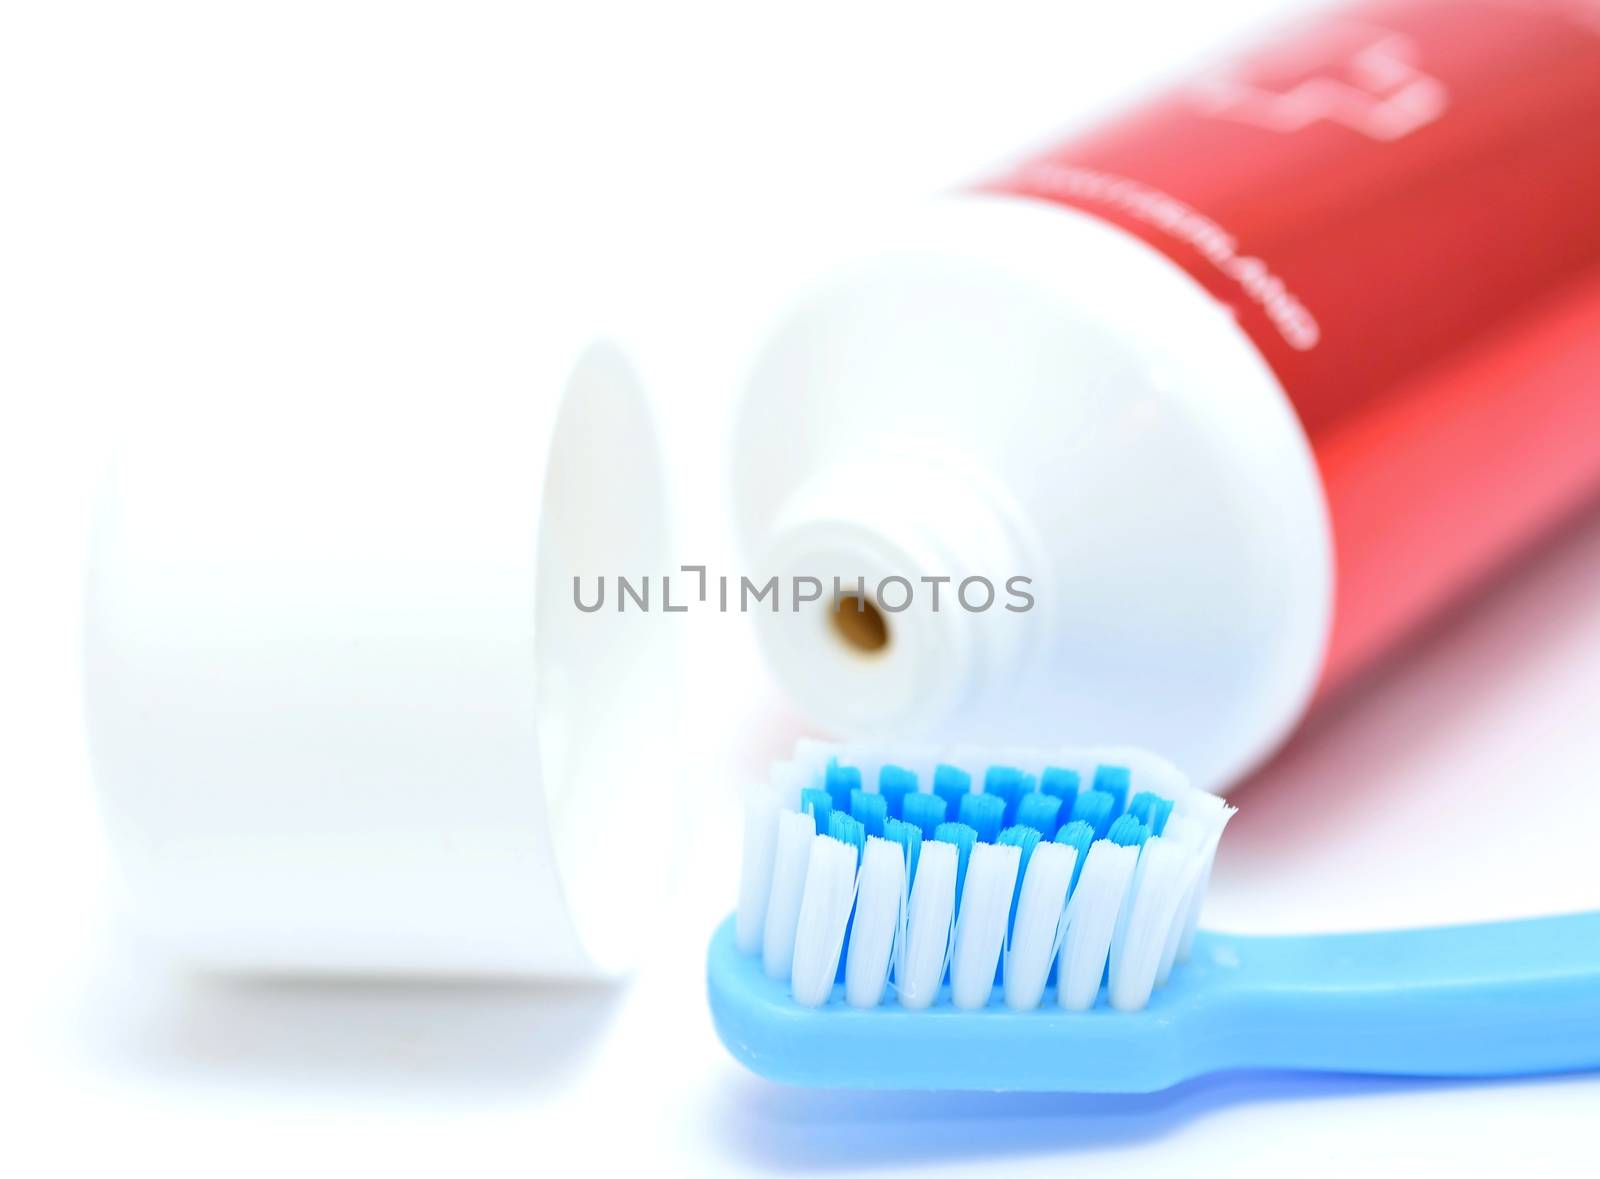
1401	205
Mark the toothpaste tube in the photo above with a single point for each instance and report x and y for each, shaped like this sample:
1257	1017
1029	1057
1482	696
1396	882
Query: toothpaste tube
1223	399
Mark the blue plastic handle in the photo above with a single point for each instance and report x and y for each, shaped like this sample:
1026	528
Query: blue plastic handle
1499	999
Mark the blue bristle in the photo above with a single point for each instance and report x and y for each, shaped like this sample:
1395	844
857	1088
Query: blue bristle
909	837
847	830
984	813
1096	808
963	837
1114	780
1009	783
1151	809
870	809
840	781
950	783
1127	831
1079	835
1041	812
894	783
1059	782
924	812
819	804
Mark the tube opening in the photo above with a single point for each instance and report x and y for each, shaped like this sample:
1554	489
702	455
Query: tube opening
860	624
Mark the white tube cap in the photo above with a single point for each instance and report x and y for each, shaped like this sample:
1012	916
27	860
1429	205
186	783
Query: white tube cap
344	715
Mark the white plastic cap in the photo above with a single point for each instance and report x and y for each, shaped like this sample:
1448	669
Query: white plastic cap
344	715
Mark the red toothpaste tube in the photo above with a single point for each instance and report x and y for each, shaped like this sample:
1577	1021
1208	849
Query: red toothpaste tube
1385	222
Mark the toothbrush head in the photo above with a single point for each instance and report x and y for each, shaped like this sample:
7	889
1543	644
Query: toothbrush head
875	895
1032	941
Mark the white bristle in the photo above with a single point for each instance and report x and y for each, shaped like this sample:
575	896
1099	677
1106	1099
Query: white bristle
791	852
830	892
1199	805
981	924
1091	921
1120	931
1033	937
919	967
1213	815
880	907
788	779
808	901
1188	833
1165	871
761	809
813	756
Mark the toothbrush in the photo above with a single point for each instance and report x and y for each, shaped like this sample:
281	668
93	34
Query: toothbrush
1028	923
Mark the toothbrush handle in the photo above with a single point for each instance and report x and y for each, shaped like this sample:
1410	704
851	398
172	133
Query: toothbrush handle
1495	999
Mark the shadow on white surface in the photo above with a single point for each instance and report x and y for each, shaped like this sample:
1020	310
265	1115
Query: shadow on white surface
776	1129
1482	734
443	1041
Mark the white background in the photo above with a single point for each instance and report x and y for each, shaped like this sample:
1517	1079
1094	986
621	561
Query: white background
226	199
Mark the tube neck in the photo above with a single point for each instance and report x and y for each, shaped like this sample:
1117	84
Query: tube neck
895	611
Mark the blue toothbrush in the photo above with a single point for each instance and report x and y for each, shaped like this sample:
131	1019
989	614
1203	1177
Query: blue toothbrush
1501	999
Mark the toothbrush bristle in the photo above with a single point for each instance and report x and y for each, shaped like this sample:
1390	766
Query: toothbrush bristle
869	809
846	829
1024	839
981	918
909	837
951	784
880	904
1007	783
1091	918
796	832
984	813
865	881
1097	809
1036	925
1078	835
1114	780
1151	809
964	838
894	783
924	812
817	803
825	907
925	947
1059	783
1128	832
839	781
1039	811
